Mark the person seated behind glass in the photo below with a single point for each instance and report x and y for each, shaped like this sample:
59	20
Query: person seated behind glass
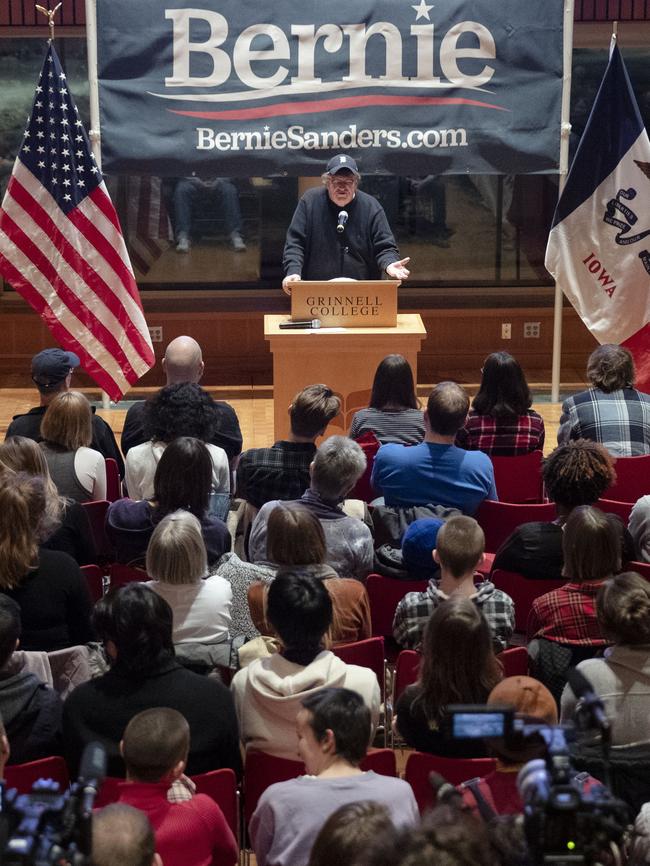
188	190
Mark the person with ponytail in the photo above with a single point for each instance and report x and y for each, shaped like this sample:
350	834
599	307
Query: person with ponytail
269	692
622	678
47	584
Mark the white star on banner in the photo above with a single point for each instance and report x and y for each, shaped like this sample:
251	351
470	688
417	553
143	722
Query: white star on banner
422	10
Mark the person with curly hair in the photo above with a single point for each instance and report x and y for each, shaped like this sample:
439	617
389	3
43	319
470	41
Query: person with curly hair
182	409
612	411
501	421
577	473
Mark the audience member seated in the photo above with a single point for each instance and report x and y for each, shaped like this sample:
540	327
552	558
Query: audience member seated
436	472
639	528
123	836
31	711
459	550
394	414
335	469
182	480
155	748
592	552
612	411
447	836
135	625
66	526
458	666
347	833
575	474
296	543
48	585
333	736
533	704
78	471
183	409
52	371
282	471
268	692
183	362
413	561
501	421
622	678
200	603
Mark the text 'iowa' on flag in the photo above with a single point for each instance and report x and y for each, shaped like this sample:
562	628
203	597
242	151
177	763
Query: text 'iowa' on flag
61	246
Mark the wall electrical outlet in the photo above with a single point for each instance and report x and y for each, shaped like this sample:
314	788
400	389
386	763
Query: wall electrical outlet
506	331
532	330
156	334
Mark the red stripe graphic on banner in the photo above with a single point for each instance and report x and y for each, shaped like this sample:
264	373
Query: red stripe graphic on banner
316	106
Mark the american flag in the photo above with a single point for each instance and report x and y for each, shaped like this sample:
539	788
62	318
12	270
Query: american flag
145	219
61	246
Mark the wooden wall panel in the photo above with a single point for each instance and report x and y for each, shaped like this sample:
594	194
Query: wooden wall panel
236	353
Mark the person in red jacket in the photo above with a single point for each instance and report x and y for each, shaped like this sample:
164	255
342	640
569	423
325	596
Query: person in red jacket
190	833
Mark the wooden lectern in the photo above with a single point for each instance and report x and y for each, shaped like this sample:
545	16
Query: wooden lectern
345	355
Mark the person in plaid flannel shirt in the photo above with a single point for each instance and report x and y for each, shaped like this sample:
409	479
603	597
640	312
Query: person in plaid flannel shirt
459	550
501	421
592	552
612	411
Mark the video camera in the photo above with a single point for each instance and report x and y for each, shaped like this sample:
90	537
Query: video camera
565	822
48	826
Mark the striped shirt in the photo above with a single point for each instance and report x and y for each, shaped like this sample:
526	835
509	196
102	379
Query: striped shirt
403	426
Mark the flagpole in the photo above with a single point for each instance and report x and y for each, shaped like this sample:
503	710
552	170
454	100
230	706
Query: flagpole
565	131
94	133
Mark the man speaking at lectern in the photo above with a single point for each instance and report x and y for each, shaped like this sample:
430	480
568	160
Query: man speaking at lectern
338	231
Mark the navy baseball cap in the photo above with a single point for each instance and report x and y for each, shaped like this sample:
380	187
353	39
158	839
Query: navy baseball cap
51	366
341	163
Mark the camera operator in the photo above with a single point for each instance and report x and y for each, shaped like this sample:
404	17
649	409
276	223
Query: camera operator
497	793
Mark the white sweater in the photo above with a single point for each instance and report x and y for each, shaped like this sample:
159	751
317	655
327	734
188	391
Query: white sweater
268	695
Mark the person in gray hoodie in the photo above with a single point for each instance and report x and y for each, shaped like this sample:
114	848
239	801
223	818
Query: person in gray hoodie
268	693
30	710
622	678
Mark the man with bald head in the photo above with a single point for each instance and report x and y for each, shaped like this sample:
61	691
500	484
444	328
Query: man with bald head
183	362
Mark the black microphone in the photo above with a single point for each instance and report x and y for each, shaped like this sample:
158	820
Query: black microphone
309	324
444	792
92	772
591	702
343	218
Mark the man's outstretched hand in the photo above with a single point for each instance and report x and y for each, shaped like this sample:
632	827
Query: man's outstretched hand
398	270
286	282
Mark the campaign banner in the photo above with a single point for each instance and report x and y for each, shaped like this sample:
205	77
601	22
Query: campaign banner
221	87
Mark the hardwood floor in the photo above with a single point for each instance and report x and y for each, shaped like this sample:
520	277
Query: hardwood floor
254	407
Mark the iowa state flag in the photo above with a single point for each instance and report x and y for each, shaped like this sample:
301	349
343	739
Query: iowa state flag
599	245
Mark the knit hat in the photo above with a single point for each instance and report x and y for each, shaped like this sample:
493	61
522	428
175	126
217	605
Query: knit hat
418	544
529	697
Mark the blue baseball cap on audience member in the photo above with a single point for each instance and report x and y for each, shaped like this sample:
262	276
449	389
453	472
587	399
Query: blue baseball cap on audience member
51	366
418	544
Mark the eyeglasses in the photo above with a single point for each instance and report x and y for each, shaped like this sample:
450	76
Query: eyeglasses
345	183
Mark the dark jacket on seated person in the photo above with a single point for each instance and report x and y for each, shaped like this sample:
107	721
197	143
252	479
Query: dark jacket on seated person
130	525
31	712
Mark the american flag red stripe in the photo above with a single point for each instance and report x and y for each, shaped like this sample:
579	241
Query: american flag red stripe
147	227
61	246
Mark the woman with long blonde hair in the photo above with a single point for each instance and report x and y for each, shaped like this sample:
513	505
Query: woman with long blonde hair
48	585
78	471
65	526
